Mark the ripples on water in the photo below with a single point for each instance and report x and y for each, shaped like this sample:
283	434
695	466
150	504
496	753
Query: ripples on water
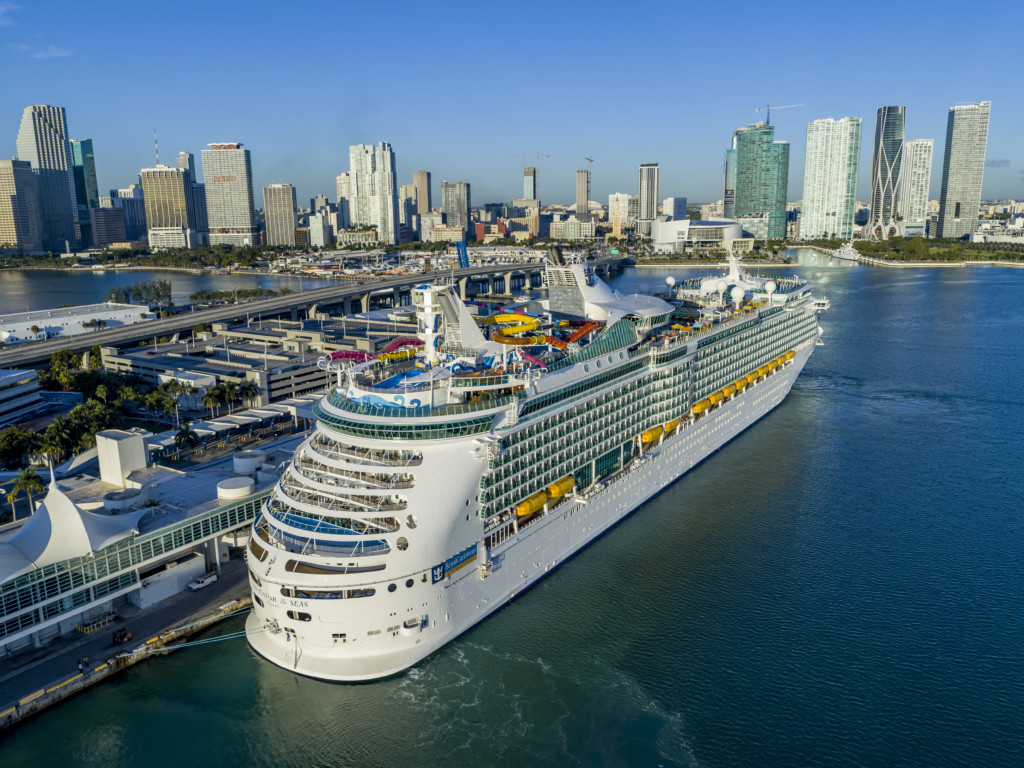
840	586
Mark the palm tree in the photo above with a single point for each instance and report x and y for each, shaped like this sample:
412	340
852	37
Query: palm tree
211	400
102	393
58	439
230	393
27	482
35	330
186	438
249	391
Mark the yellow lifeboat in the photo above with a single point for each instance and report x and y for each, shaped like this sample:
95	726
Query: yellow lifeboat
781	359
531	504
671	426
715	397
772	365
561	487
751	377
729	391
701	405
763	370
652	434
740	384
790	355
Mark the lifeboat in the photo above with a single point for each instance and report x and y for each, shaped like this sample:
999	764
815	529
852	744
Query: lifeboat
715	397
740	384
790	355
763	370
772	365
531	504
701	405
671	426
729	391
781	359
751	377
561	487
652	434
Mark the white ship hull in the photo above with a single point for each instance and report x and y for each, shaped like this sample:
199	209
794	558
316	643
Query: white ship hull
496	575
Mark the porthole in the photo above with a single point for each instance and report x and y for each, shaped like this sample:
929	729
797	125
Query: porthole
392	587
402	543
299	616
586	368
611	360
257	599
409	582
598	363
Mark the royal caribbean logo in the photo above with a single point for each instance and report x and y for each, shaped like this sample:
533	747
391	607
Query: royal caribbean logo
452	564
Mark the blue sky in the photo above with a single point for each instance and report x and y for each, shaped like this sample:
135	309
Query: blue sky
459	87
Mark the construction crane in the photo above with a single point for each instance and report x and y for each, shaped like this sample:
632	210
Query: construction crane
590	176
536	179
768	108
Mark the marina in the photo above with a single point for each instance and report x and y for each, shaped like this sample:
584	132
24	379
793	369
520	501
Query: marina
809	595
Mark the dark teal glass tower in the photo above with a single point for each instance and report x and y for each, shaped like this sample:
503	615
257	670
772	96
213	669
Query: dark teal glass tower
762	176
83	164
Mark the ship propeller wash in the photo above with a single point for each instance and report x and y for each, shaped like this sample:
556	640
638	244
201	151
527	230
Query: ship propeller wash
453	471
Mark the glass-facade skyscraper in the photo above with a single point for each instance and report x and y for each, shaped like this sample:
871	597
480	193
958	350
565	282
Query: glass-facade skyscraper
648	199
729	193
43	142
83	164
886	170
762	176
830	178
279	213
963	166
529	183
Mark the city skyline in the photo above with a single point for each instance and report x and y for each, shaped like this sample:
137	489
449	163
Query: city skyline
478	145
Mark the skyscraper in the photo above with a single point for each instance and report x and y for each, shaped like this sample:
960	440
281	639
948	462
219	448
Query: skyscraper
20	224
830	178
131	201
762	175
230	211
729	193
187	162
963	166
917	179
582	195
648	195
455	204
408	192
675	207
279	214
421	179
529	183
171	215
317	203
83	164
344	188
43	142
886	167
372	189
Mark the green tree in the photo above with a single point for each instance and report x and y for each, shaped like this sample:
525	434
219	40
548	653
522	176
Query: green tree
29	483
249	392
186	439
58	439
211	400
231	394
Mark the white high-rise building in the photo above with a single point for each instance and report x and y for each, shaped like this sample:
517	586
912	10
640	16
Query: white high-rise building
963	167
279	214
674	207
231	214
43	142
373	194
648	195
917	178
830	178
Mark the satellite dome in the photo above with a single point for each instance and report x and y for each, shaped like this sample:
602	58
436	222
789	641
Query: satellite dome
670	281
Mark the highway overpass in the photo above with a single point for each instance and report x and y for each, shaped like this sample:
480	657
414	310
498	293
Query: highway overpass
349	297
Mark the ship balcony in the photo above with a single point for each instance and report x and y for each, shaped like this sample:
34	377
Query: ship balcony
320	501
325	474
354	454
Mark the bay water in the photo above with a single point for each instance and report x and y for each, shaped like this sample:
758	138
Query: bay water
840	586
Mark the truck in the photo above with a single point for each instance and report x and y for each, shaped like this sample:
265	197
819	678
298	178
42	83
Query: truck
203	581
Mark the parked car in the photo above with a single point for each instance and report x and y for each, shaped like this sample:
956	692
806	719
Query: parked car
203	581
122	636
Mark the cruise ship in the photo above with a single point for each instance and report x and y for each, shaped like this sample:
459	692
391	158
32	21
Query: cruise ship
454	470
